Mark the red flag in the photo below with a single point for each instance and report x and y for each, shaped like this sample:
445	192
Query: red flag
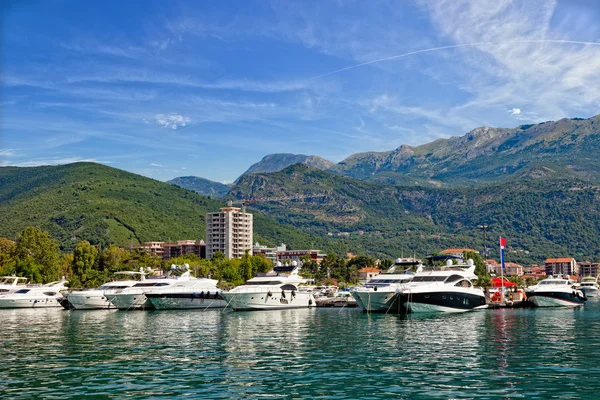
502	242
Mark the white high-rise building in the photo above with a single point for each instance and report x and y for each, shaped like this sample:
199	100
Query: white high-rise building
229	232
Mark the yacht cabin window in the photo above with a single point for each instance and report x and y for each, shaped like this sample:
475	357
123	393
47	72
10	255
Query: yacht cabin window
268	283
429	278
22	291
453	278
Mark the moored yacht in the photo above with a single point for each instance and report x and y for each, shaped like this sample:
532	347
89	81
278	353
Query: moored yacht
194	293
11	283
446	289
134	297
555	292
379	293
589	286
278	289
38	296
94	299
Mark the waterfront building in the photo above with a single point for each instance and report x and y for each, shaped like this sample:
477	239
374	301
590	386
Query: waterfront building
367	273
561	266
587	268
510	268
166	250
458	252
229	232
287	256
534	272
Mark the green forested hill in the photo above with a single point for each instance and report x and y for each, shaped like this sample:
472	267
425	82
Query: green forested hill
546	212
87	201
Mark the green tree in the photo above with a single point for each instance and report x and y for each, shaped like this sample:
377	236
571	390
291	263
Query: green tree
480	268
261	263
36	255
112	258
386	264
6	255
84	261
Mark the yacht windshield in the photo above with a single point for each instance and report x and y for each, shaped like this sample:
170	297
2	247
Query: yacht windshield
151	284
263	283
22	291
554	282
429	278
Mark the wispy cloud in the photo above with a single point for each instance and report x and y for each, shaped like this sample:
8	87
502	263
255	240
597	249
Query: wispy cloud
173	121
157	165
7	152
514	111
55	161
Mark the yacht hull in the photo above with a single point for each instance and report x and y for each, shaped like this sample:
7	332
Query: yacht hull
555	299
443	301
174	301
130	301
89	301
589	292
37	302
262	301
377	301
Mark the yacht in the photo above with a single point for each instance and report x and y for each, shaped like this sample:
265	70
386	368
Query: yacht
589	286
37	296
446	289
134	297
379	293
278	289
11	283
194	293
95	299
554	292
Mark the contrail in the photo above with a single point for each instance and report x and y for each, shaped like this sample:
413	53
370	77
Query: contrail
451	47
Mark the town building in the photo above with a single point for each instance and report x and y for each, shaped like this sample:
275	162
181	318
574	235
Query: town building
510	268
587	268
561	266
229	232
287	256
166	250
367	273
457	252
534	272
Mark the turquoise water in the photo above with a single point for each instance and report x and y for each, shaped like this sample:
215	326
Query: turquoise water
317	354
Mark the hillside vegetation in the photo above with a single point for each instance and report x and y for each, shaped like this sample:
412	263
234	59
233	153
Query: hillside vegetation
104	205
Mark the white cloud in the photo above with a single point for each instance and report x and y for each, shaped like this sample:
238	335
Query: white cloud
173	121
7	152
55	161
514	111
156	165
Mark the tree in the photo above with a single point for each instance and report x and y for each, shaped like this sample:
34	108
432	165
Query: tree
386	263
480	268
261	263
246	266
354	265
6	254
111	258
36	255
84	260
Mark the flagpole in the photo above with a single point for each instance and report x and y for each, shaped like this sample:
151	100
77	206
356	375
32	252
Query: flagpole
502	242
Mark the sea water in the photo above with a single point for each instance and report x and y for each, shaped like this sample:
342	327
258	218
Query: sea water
307	353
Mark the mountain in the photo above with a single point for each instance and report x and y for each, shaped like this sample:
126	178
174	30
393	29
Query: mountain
483	156
486	155
543	211
277	162
201	186
104	205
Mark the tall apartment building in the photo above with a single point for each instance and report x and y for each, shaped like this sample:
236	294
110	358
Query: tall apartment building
228	232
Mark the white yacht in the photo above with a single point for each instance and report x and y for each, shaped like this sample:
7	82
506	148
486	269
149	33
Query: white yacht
94	299
278	289
193	293
37	296
11	283
445	289
554	292
589	286
379	294
134	297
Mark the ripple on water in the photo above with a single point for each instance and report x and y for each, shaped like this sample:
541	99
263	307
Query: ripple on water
321	354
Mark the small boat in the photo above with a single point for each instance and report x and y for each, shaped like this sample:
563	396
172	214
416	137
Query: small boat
10	284
555	292
194	293
95	299
38	296
275	290
589	286
379	293
445	289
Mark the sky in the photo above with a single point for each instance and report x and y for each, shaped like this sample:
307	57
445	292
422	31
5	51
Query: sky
207	88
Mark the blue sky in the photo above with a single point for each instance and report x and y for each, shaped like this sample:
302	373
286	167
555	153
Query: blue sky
167	88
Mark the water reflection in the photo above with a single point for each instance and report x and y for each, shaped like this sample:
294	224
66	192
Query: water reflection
316	353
